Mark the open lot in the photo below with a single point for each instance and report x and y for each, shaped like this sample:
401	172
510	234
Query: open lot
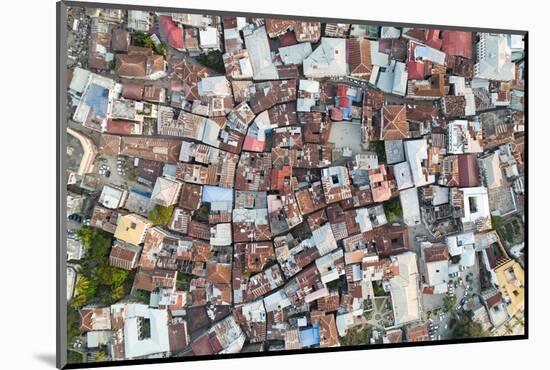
346	134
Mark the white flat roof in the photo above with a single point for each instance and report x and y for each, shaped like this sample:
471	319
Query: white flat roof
410	206
158	341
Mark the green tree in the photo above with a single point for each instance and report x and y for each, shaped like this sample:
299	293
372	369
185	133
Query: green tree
148	42
455	259
449	303
379	148
99	281
357	336
97	243
73	325
108	275
183	280
85	290
212	60
467	328
99	357
161	49
393	210
161	215
74	357
138	38
496	221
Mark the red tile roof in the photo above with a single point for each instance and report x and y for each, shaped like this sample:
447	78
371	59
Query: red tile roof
415	70
468	172
171	32
288	39
119	127
457	43
132	91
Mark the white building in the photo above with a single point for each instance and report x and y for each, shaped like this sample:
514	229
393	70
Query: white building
410	206
257	43
404	290
139	20
416	152
113	197
328	60
463	137
135	344
494	58
295	54
477	213
457	243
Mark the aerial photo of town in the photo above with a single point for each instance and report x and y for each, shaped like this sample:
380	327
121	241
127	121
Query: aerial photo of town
241	185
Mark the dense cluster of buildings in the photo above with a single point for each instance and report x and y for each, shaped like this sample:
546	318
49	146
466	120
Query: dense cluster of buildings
329	165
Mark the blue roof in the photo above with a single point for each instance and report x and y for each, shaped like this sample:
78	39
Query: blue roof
346	112
216	194
97	97
142	193
169	169
310	336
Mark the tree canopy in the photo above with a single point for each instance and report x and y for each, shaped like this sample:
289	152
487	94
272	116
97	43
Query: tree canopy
356	336
449	303
393	210
467	328
161	215
98	280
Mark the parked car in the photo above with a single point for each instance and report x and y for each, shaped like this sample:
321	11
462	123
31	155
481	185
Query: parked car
75	217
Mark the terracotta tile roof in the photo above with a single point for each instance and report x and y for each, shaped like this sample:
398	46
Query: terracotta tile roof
359	57
458	43
177	336
418	333
131	65
436	253
276	27
95	319
190	198
218	272
110	144
120	127
390	240
132	91
120	40
394	336
468	171
394	125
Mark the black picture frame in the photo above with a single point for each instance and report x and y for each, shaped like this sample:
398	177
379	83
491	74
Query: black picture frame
61	264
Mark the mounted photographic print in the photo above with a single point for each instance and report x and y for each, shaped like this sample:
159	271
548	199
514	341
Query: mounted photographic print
239	185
